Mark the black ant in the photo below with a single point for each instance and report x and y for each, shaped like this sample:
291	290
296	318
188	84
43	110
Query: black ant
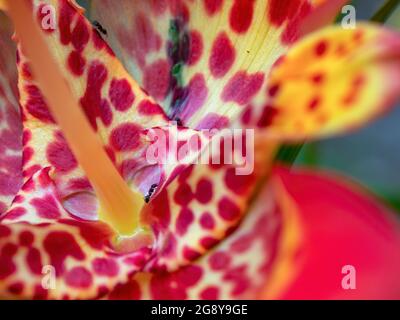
99	27
150	192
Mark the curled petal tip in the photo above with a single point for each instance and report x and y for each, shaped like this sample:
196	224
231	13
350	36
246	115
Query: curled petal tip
76	6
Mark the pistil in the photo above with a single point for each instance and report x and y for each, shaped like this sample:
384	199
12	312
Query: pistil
119	206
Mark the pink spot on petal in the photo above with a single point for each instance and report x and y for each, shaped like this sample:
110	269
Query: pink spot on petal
91	100
78	277
189	276
46	207
105	267
208	242
146	107
183	195
222	56
34	261
127	291
185	219
156	79
267	116
239	184
80	35
59	245
228	210
281	10
126	137
15	213
219	261
121	94
76	63
196	47
242	87
26	238
190	254
204	191
212	6
36	105
207	221
241	15
16	288
64	23
60	156
106	114
210	293
7	266
4	231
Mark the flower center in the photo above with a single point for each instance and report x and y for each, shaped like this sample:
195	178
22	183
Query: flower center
120	207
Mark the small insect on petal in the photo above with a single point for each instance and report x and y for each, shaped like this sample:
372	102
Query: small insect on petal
150	192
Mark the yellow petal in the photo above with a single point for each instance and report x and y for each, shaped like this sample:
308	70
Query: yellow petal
333	81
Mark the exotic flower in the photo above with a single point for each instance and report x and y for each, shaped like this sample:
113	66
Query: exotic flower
75	180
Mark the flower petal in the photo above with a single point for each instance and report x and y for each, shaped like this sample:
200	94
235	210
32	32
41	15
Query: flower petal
342	226
235	269
204	61
207	201
65	260
333	81
10	125
45	254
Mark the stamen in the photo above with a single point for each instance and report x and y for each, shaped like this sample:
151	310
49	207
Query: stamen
120	206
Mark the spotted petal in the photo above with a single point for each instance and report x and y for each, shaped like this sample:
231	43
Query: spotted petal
235	269
204	61
207	201
64	260
333	81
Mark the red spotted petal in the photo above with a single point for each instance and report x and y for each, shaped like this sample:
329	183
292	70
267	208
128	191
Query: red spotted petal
207	201
63	260
45	253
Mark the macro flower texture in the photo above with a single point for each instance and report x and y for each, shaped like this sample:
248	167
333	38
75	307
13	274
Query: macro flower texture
83	215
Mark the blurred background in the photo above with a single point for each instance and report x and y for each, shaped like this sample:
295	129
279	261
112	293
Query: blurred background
372	155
